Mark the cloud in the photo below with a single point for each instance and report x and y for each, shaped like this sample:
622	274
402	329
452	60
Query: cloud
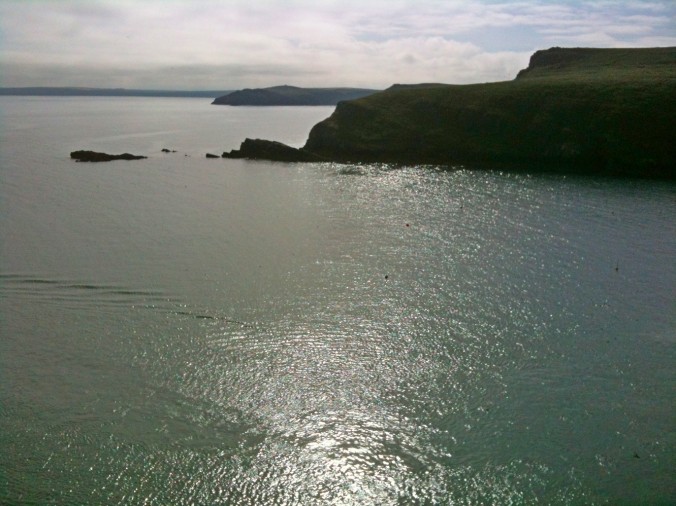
230	44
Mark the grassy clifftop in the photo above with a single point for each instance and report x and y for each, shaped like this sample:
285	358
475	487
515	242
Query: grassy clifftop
590	110
610	64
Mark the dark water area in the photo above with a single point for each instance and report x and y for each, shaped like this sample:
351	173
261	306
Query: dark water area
180	330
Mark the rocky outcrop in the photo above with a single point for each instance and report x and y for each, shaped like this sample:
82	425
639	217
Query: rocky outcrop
259	149
93	156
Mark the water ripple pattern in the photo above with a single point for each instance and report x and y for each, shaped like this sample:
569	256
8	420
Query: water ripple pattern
247	333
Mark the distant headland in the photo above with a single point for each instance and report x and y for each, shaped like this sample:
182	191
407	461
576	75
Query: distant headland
600	111
292	95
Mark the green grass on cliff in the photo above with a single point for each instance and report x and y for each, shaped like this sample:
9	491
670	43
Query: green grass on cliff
578	64
611	111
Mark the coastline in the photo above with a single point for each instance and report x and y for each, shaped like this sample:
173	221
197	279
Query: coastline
580	110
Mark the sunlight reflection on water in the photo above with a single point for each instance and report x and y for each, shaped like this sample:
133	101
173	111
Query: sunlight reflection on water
247	333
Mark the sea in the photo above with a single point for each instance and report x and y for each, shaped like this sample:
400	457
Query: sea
190	331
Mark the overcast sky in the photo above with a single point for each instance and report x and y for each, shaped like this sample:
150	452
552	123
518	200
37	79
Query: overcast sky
231	44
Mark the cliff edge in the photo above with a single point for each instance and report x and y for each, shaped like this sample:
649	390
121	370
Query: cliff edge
593	111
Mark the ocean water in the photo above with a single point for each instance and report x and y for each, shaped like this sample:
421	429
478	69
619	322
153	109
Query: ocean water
180	330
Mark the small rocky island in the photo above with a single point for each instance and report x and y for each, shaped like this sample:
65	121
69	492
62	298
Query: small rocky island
93	156
584	110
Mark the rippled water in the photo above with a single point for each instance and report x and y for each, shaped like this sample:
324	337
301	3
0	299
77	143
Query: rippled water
187	331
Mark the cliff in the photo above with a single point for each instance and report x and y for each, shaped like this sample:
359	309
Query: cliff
602	110
594	111
292	95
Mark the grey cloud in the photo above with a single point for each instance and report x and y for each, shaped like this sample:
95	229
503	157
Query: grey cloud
177	77
215	44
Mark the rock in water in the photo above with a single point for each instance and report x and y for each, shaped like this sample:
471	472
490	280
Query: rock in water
259	149
93	156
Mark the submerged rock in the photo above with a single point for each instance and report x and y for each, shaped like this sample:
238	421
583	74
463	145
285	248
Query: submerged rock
93	156
260	149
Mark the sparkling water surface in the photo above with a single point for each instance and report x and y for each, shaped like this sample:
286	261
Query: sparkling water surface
181	330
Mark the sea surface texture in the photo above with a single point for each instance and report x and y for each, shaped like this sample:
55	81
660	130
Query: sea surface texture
182	330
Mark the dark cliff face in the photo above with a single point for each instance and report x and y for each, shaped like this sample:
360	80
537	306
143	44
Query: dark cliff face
587	110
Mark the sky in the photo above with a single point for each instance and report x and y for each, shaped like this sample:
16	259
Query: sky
233	44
